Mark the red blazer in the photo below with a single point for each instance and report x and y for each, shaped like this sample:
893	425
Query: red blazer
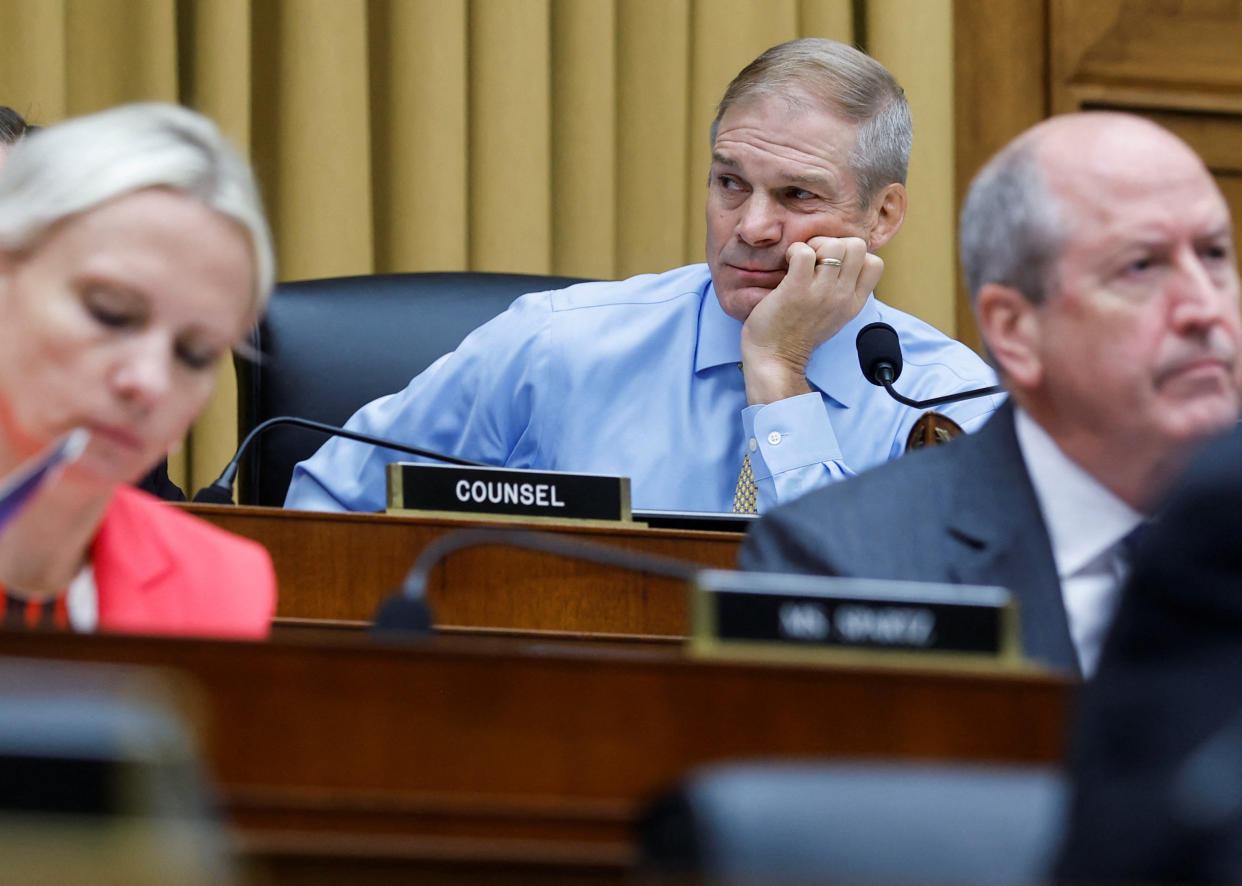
159	570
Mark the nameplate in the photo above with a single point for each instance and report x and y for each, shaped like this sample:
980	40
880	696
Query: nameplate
791	613
507	493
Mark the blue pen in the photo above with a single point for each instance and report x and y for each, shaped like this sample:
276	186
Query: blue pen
17	488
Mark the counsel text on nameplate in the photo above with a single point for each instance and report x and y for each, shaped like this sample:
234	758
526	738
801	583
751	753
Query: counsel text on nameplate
507	493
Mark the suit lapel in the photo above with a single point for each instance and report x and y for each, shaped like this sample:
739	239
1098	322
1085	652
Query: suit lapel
997	536
128	557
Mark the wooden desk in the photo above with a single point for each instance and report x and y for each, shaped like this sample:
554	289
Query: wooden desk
340	566
478	759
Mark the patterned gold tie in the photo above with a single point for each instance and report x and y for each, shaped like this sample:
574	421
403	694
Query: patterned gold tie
745	494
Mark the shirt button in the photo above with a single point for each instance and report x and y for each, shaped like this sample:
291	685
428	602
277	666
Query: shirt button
754	444
774	437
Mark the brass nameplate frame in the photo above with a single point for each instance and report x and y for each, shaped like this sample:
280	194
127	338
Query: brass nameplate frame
801	617
507	494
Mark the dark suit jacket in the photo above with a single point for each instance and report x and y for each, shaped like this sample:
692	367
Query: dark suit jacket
963	513
1168	691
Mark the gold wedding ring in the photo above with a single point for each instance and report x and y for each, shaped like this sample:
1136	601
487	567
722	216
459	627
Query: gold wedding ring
830	262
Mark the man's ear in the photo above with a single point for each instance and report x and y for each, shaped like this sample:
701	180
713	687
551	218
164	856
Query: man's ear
885	215
1010	326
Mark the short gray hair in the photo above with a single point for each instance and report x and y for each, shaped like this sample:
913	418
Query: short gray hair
846	82
12	126
1011	230
69	168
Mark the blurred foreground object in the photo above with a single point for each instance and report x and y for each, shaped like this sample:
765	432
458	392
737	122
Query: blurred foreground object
1157	758
861	824
100	781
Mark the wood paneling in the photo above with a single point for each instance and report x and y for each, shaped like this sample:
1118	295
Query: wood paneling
1000	88
474	759
340	567
1177	62
1173	54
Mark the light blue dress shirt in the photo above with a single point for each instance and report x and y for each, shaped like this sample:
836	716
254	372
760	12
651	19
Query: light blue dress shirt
640	378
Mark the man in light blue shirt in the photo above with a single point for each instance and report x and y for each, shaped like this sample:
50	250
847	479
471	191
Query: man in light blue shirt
676	379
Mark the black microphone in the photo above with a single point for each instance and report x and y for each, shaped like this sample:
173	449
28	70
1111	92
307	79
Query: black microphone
879	353
406	613
221	491
879	357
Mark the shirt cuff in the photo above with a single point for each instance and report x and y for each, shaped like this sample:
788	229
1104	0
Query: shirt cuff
789	434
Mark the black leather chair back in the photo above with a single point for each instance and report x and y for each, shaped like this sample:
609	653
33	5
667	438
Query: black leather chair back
329	346
857	824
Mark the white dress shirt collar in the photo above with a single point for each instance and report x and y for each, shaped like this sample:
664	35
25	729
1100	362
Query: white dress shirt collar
1086	523
1084	518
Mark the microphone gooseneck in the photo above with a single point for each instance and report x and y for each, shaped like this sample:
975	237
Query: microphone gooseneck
221	491
879	358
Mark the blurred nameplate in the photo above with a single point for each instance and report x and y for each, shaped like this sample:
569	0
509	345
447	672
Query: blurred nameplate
701	521
794	616
507	494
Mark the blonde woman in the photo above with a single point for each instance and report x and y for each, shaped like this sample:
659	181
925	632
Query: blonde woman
134	255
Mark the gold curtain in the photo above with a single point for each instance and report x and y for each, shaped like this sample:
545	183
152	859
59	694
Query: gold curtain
545	136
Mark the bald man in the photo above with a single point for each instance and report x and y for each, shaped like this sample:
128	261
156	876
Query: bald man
1099	256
